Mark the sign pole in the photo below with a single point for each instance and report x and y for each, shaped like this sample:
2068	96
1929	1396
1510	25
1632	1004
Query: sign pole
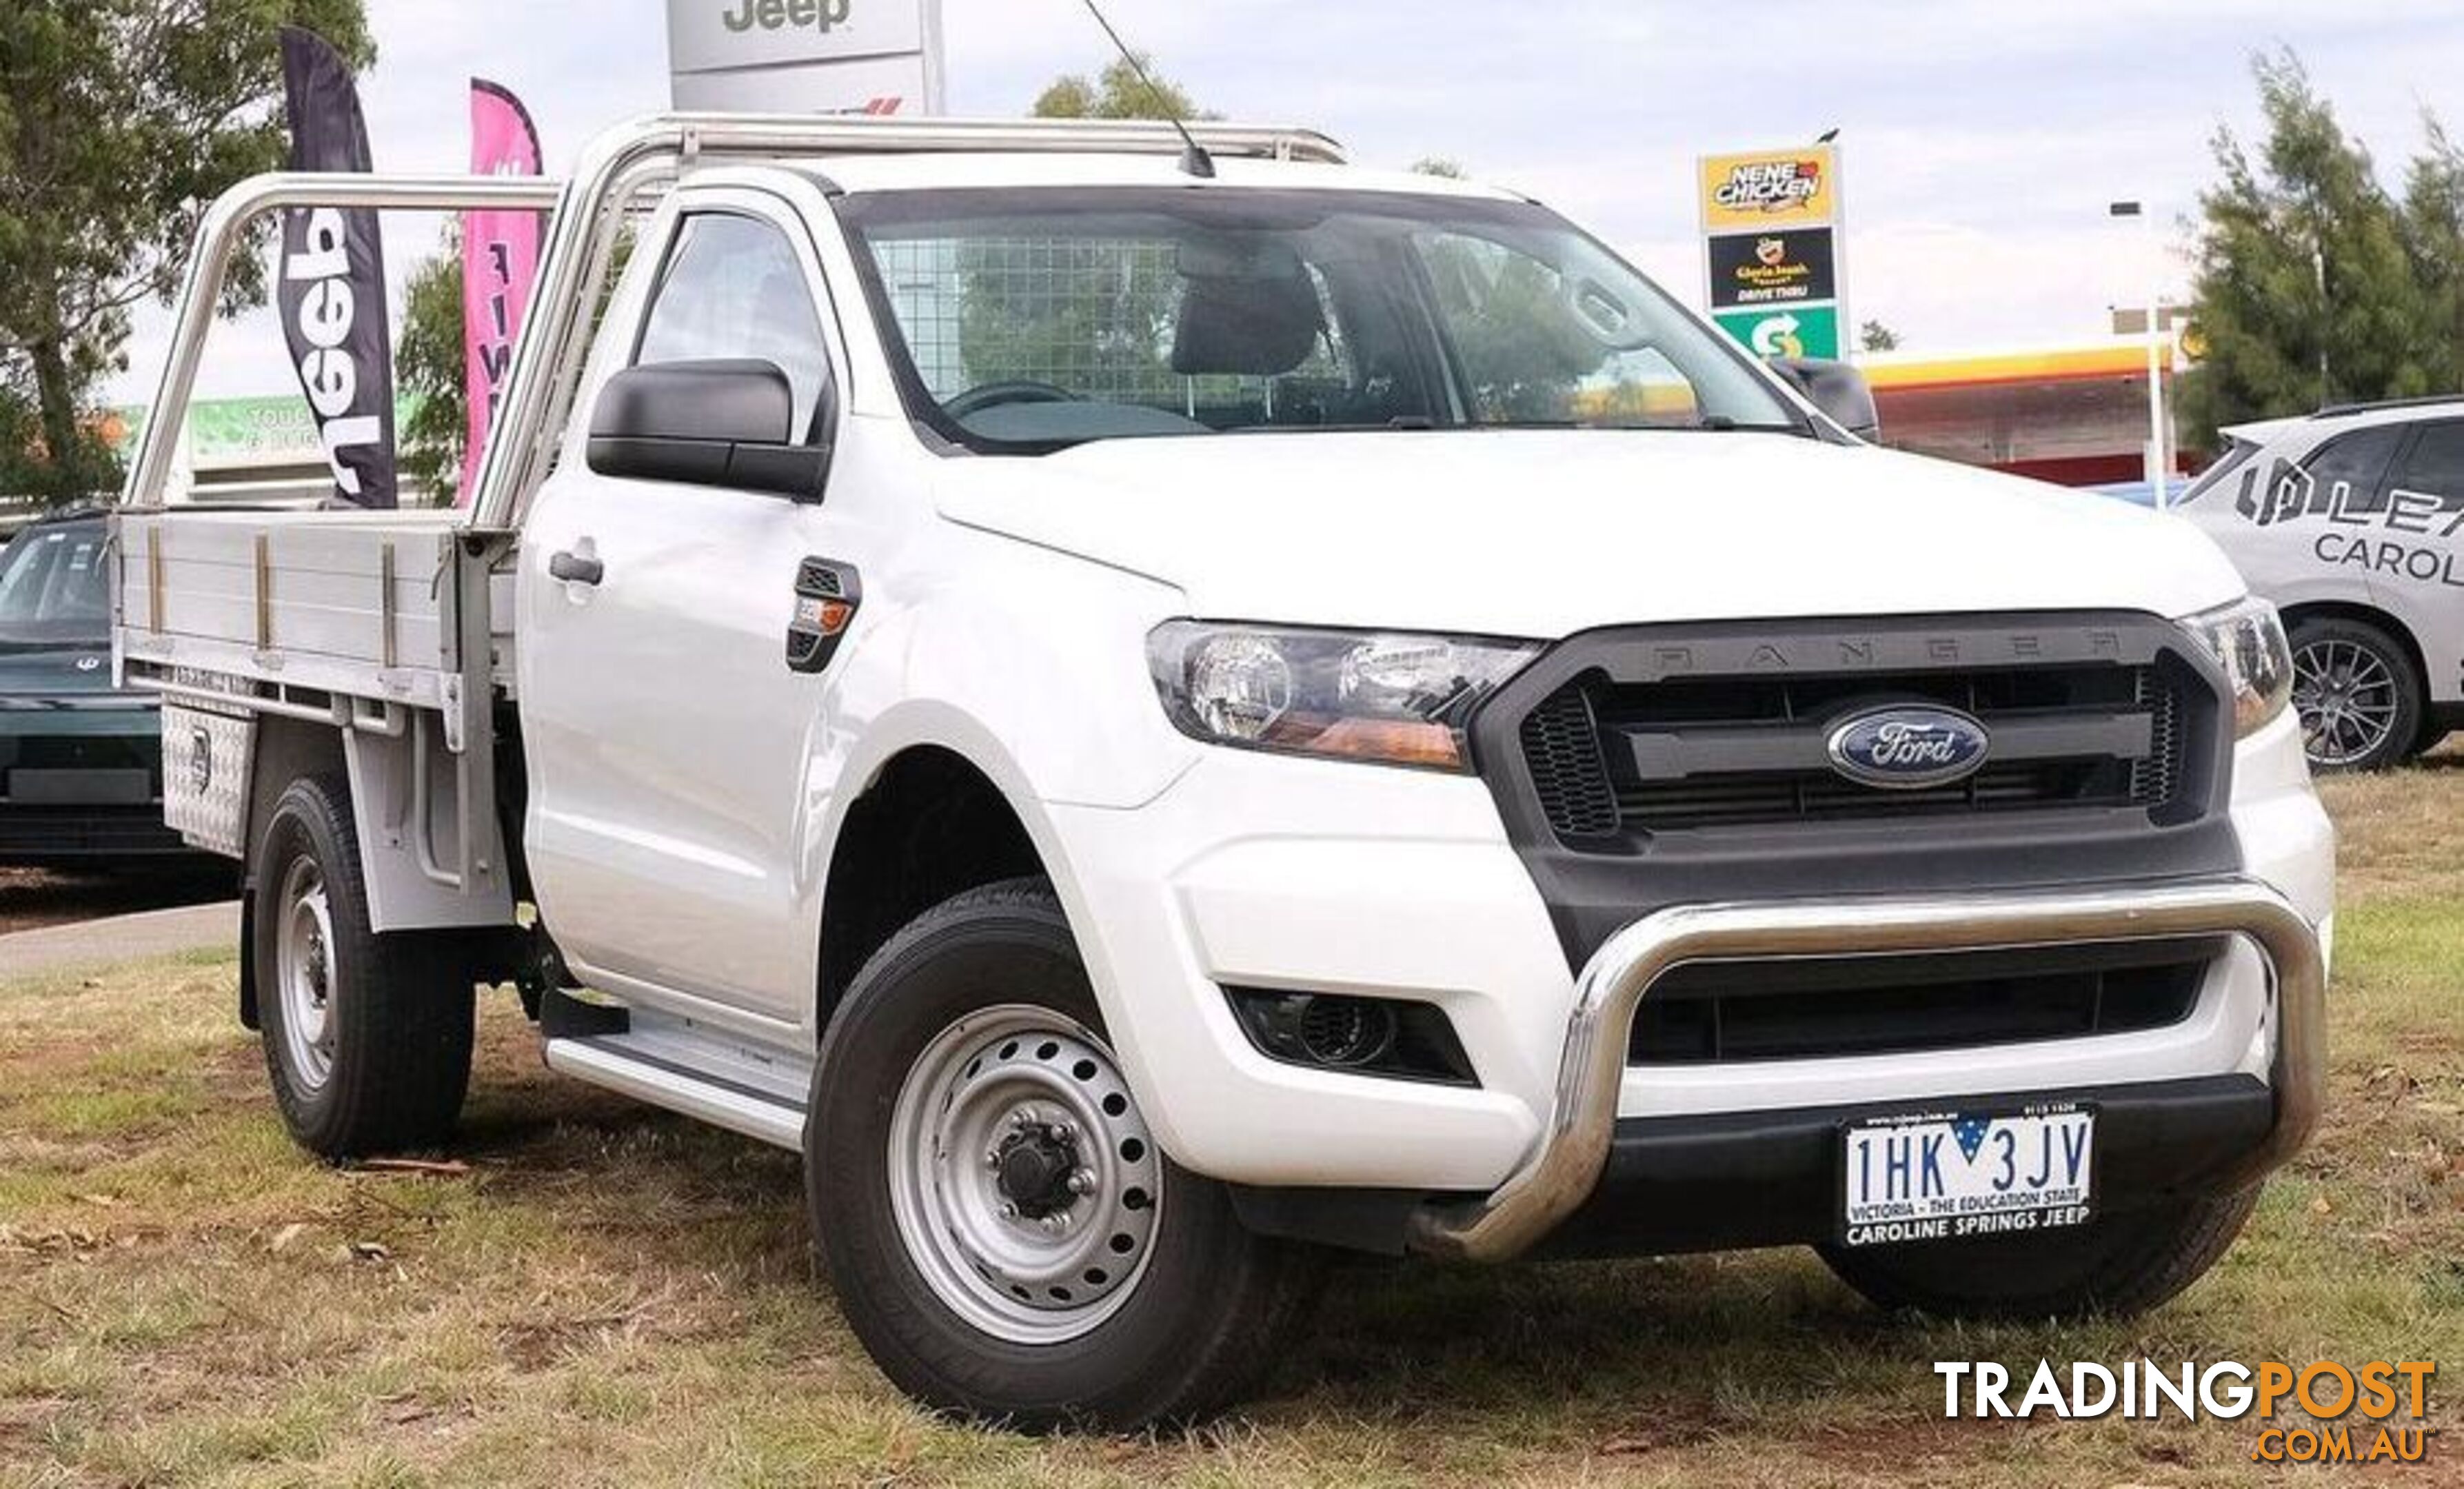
2159	477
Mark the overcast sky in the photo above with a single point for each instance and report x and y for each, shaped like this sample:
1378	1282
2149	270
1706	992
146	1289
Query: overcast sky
1983	138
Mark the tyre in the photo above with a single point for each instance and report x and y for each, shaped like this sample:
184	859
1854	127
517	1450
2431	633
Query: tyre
1002	1231
367	1038
2358	694
2120	1264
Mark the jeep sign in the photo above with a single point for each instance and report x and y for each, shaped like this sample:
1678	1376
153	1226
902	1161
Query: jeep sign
807	56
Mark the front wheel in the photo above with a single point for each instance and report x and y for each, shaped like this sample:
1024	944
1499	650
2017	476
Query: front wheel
2358	694
2120	1264
1002	1230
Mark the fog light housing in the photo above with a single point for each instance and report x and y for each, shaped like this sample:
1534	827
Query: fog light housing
1393	1037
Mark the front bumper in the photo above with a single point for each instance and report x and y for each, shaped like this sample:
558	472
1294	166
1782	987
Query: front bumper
70	835
1565	1166
81	782
1269	873
1771	1178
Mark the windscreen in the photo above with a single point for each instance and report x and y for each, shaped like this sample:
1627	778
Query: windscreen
54	588
1037	319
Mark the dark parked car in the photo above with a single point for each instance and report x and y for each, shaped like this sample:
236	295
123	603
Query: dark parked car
81	762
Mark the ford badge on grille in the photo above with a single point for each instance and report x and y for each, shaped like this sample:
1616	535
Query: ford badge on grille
1908	748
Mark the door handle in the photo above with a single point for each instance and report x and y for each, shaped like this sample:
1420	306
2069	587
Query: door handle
574	569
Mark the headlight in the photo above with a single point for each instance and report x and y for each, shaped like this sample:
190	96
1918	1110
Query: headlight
1354	695
2247	638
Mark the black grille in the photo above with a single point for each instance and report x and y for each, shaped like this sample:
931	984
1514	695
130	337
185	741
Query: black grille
1644	766
38	833
66	752
1723	1011
2158	777
1610	758
1561	746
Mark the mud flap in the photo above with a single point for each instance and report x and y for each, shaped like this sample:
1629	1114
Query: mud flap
248	959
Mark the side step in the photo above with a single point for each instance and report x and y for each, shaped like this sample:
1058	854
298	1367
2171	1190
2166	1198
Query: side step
683	1068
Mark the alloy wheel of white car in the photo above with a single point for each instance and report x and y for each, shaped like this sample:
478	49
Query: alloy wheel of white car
1026	1184
2348	700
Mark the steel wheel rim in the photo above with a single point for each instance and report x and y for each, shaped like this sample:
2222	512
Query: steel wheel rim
2346	697
304	973
973	1126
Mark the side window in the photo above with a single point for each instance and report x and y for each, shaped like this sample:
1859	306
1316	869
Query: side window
2434	466
732	289
2356	464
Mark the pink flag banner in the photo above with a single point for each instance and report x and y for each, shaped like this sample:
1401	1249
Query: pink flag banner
499	259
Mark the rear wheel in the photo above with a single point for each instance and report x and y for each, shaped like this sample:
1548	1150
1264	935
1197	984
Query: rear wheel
1002	1230
368	1037
2358	694
2118	1264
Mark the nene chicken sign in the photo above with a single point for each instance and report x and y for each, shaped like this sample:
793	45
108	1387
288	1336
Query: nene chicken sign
1770	220
807	56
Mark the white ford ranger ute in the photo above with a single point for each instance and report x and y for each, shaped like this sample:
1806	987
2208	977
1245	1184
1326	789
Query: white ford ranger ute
1159	718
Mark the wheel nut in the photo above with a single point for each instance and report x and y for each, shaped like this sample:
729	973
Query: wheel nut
992	1157
1082	1182
1009	1211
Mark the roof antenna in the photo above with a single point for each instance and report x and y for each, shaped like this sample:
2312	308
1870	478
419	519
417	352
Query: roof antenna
1194	160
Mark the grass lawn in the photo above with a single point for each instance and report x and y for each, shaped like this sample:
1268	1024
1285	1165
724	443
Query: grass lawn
609	1296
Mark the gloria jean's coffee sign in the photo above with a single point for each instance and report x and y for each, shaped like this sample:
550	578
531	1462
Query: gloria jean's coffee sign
1772	268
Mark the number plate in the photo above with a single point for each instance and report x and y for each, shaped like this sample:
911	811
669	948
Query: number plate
1953	1175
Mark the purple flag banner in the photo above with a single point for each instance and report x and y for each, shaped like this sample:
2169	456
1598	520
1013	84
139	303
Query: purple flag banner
332	290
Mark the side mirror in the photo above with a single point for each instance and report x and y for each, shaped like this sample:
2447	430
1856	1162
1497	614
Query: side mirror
729	424
1839	390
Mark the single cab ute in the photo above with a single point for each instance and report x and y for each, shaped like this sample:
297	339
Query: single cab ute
1155	726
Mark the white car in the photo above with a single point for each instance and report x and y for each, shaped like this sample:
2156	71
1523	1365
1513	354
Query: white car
1159	720
2348	520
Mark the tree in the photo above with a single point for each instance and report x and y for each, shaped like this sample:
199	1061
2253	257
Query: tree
119	120
2433	233
429	370
1117	92
2309	279
1519	346
1876	337
1012	326
431	362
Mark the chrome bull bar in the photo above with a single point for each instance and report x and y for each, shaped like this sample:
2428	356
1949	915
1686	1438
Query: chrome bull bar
1565	1164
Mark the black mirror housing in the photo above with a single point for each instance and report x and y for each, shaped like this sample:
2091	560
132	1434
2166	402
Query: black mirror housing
1837	389
728	424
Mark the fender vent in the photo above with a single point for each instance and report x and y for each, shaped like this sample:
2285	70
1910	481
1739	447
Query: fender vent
818	580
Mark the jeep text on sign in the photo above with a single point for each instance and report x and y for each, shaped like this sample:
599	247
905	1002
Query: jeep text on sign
705	36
